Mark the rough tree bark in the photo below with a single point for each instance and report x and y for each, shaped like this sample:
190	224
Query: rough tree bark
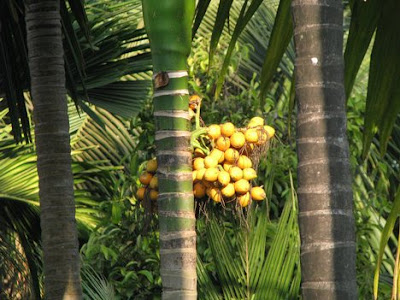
168	24
57	206
324	181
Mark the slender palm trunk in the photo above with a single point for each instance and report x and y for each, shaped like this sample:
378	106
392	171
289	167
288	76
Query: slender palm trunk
324	181
168	24
59	233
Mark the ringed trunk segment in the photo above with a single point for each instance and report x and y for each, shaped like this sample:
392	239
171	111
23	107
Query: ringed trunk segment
168	25
326	220
57	205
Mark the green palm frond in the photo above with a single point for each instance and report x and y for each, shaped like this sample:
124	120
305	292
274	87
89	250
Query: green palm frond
95	287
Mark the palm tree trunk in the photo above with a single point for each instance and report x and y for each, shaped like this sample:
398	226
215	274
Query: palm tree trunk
324	181
168	24
59	232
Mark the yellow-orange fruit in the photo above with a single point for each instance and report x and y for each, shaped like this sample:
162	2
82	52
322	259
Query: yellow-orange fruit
210	162
199	190
194	175
251	135
154	182
200	173
153	195
152	166
145	178
231	155
227	166
227	129
257	121
236	173
258	193
237	140
211	174
214	131
218	154
215	194
224	178
140	193
223	143
244	199
262	136
242	186
244	162
249	174
198	163
270	131
199	153
228	190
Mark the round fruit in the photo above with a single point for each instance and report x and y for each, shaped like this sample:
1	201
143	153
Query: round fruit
198	163
224	178
228	191
194	175
236	173
211	174
231	155
223	143
140	193
200	173
258	121
154	182
262	136
210	162
227	129
244	200
145	178
244	162
153	195
251	135
238	140
249	174
215	194
227	166
152	165
270	131
217	154
214	131
242	186
199	190
258	193
199	153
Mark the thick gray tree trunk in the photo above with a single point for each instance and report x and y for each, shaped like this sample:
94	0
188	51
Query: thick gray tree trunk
59	233
326	220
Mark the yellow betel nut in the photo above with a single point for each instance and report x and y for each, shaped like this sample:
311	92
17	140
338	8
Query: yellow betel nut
244	200
242	186
249	174
228	191
211	174
199	153
198	163
153	195
258	193
214	194
218	154
154	182
270	131
224	178
210	162
236	173
140	193
199	190
251	135
231	155
145	178
223	143
238	140
256	121
244	162
194	175
227	166
200	174
227	129
214	131
152	166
